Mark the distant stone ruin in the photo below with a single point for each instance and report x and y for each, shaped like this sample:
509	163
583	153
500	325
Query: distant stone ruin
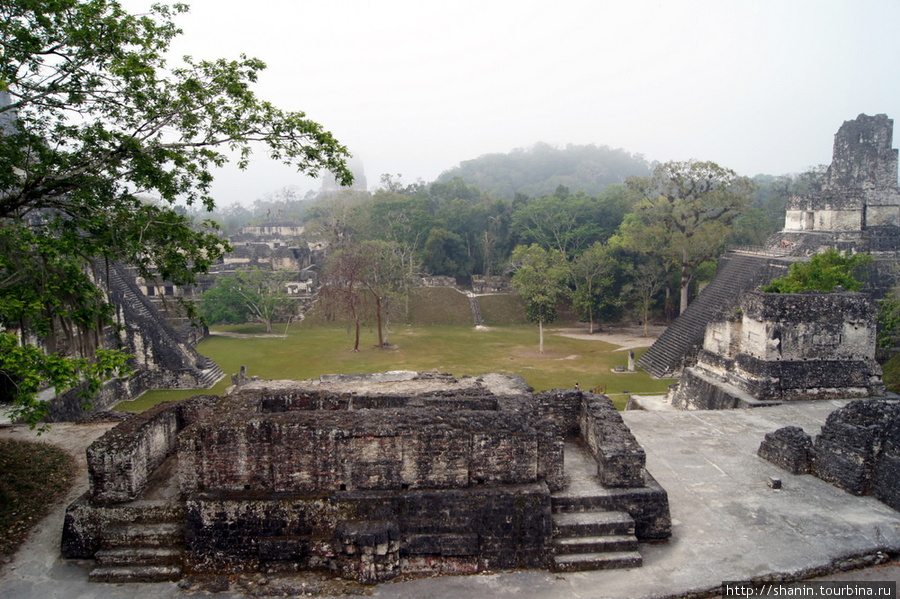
858	450
785	347
858	210
367	477
163	357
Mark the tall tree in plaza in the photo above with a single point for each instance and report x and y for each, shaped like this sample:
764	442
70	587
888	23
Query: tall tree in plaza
99	138
691	205
540	278
594	274
365	280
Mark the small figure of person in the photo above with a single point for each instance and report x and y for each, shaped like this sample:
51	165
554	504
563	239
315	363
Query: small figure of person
577	388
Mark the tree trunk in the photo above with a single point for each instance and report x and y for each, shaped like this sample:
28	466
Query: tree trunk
541	335
379	321
685	282
646	316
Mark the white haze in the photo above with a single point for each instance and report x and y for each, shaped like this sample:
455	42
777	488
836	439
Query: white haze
416	87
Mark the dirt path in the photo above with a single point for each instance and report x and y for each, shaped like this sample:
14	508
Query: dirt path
41	550
625	336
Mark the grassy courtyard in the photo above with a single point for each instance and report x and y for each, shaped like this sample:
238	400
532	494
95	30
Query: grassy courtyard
310	351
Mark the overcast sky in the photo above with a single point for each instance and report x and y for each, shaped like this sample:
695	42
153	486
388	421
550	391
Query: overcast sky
415	87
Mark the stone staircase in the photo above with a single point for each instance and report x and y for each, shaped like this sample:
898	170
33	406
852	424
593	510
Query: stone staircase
172	351
477	318
591	530
592	540
737	273
140	552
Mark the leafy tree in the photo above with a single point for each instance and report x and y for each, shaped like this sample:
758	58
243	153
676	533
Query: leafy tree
540	278
647	276
93	123
823	272
249	295
888	329
26	369
372	271
594	276
445	254
690	205
337	216
558	221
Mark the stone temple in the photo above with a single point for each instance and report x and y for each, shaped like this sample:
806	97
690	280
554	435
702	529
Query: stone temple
857	210
367	477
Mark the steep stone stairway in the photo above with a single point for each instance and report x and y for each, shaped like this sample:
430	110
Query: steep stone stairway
737	273
589	533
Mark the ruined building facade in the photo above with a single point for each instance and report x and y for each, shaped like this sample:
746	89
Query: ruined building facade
368	477
785	347
857	210
858	207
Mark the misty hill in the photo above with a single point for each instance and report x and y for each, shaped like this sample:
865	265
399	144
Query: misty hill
540	170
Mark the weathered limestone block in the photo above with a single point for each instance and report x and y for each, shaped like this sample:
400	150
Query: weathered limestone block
887	464
121	461
395	448
370	535
368	552
789	448
850	441
620	458
562	407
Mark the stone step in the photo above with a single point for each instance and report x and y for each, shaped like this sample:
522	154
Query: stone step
139	556
122	574
579	503
596	544
597	561
570	524
161	534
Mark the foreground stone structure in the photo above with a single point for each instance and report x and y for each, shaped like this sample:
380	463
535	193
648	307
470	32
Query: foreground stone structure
369	477
858	450
785	347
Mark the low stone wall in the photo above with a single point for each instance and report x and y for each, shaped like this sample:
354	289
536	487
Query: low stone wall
87	526
563	407
620	458
370	536
858	450
121	461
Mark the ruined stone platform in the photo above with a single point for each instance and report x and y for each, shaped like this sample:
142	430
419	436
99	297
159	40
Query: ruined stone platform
727	524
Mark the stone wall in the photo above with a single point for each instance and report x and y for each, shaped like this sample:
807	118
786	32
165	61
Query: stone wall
371	535
321	442
121	461
858	450
785	347
620	458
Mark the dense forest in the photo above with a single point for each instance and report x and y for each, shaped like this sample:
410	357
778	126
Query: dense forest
597	207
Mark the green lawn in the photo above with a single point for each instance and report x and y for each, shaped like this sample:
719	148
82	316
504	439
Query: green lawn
308	352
